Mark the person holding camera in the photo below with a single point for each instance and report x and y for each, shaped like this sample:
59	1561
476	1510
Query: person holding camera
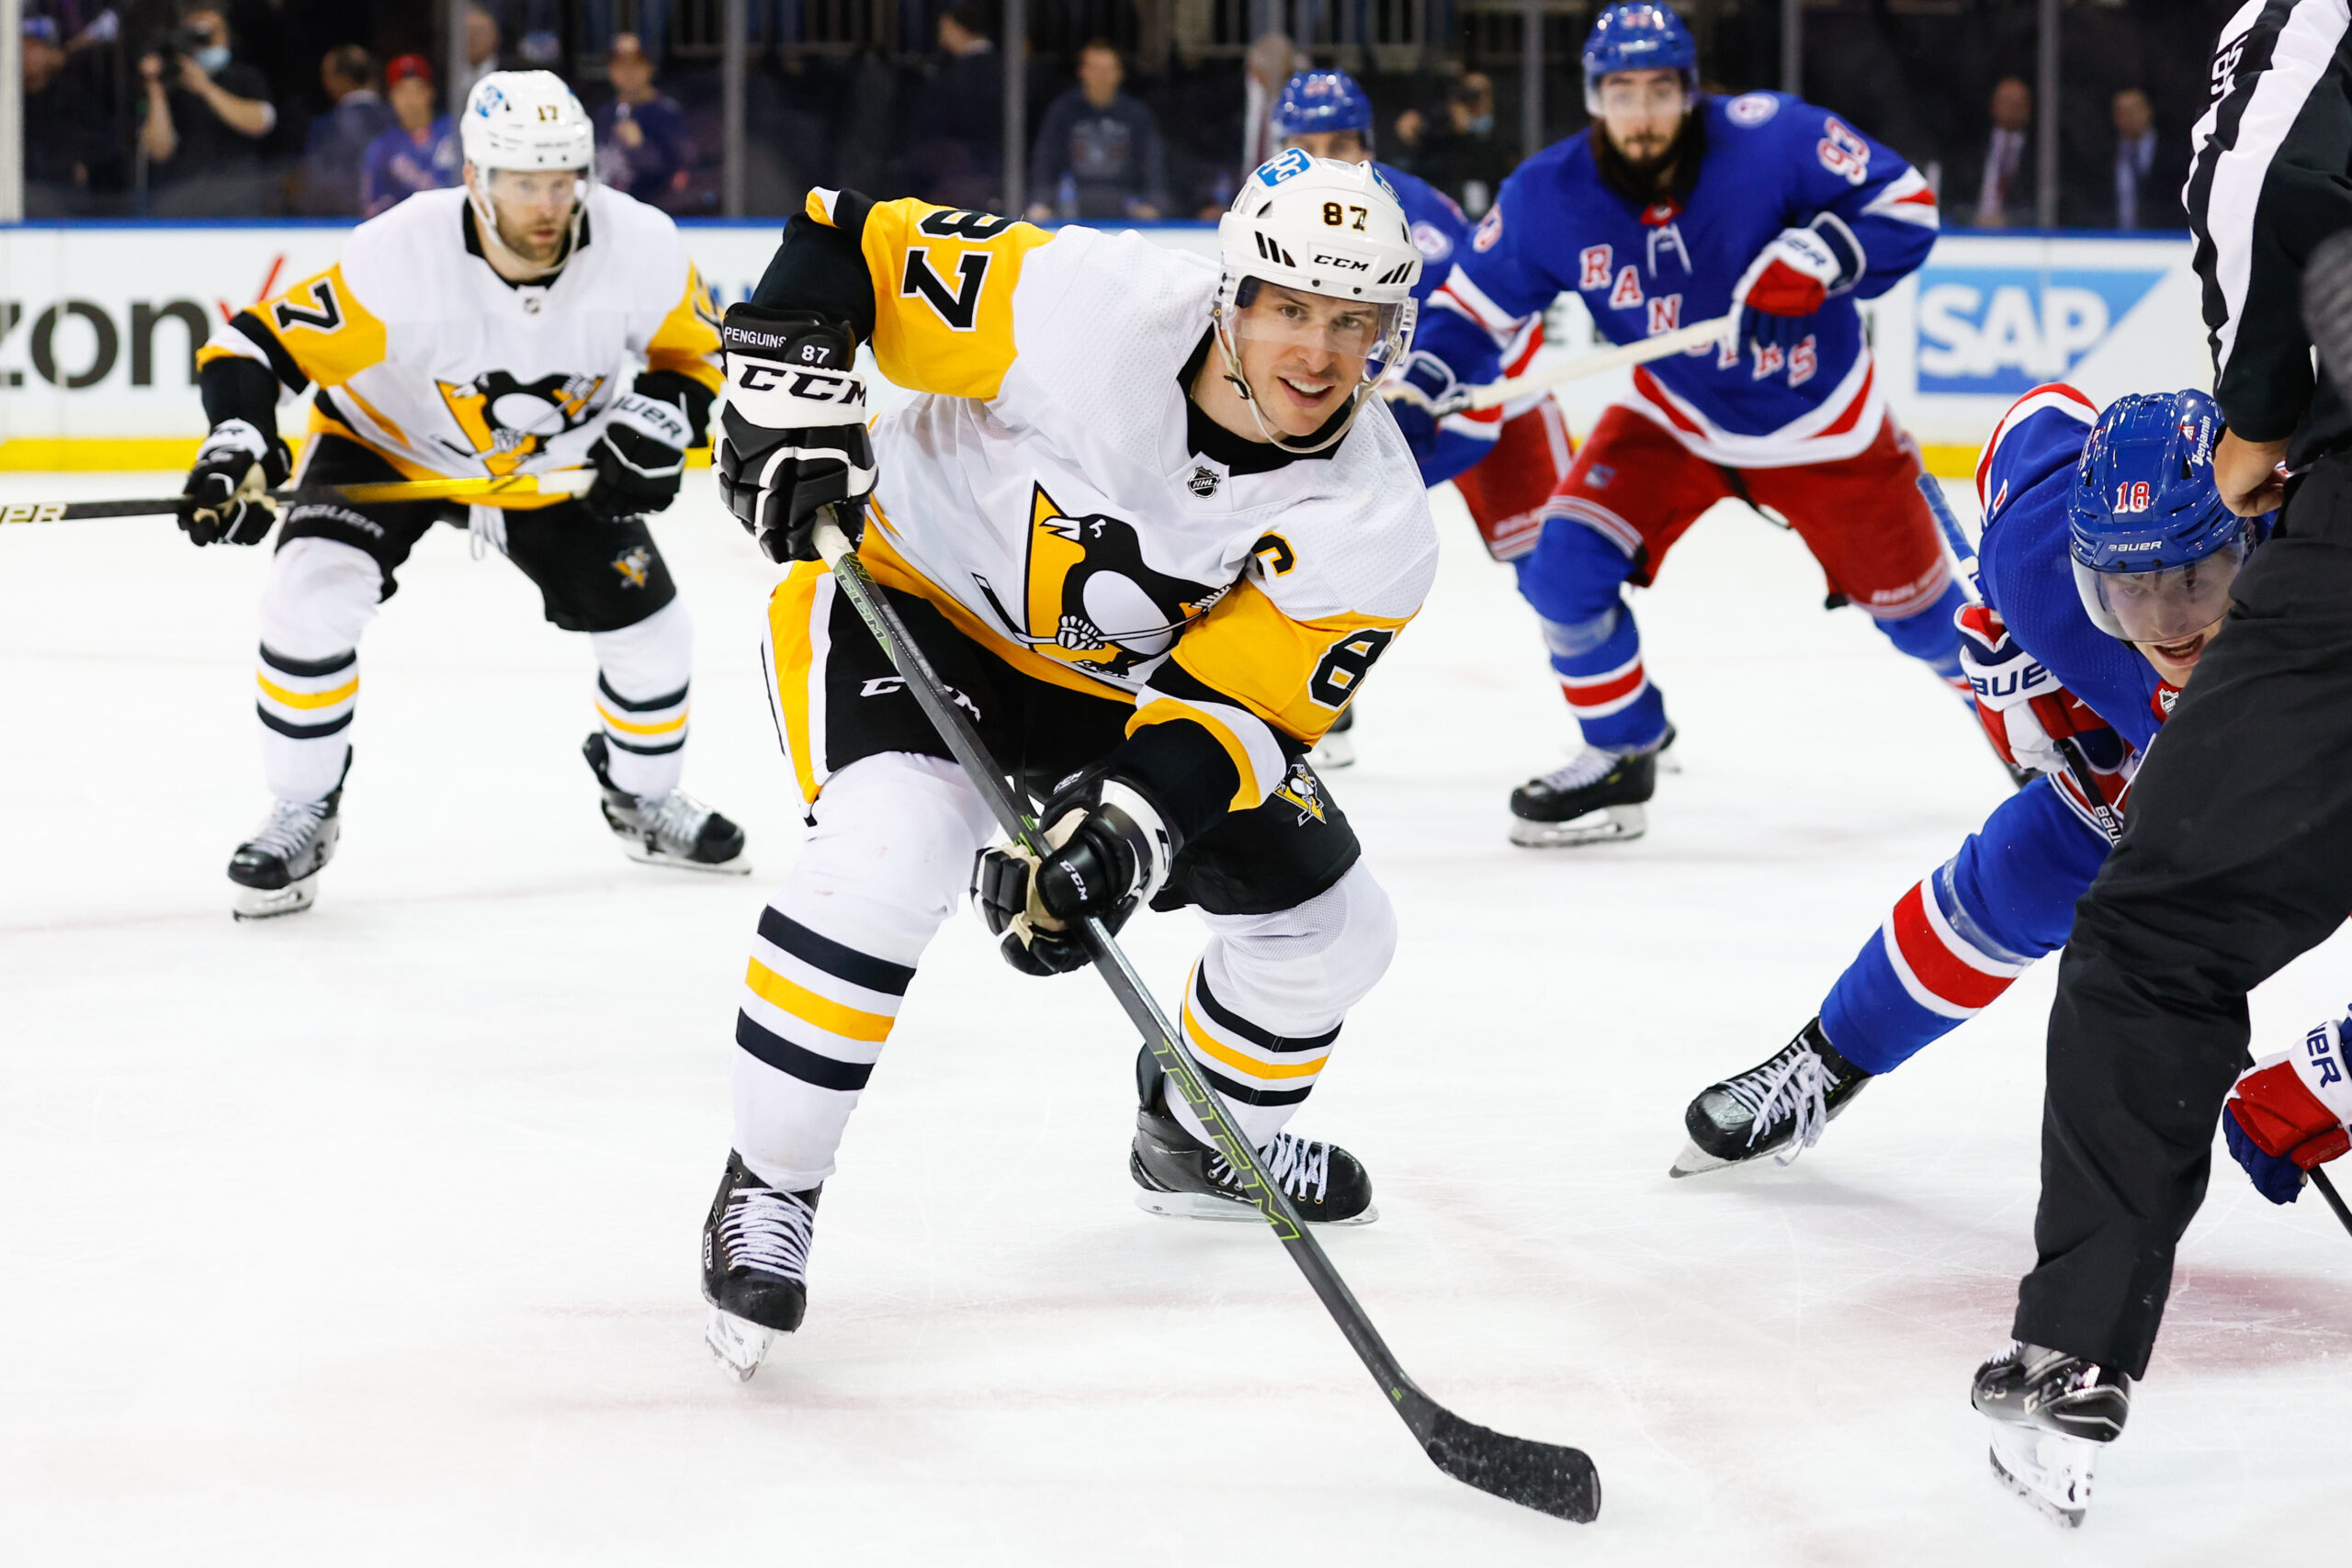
206	114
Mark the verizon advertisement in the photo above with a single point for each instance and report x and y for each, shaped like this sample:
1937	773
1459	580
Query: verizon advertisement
100	326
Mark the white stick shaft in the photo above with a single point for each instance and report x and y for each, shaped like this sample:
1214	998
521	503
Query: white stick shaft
1600	364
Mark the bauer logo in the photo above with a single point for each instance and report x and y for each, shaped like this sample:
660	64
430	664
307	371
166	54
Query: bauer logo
2005	331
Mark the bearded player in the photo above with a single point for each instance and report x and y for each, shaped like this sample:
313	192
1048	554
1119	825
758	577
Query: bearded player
1678	208
1146	519
530	320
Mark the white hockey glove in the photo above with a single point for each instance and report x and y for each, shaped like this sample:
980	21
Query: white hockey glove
226	494
2024	710
792	438
1790	278
640	459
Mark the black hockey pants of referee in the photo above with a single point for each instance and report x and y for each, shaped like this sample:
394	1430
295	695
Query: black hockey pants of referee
2238	857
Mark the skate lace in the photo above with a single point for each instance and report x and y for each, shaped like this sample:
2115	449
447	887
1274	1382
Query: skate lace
1795	1084
769	1231
1295	1163
1588	766
289	828
675	820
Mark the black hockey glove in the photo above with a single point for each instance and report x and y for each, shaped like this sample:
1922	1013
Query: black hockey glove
792	438
225	498
639	459
1102	860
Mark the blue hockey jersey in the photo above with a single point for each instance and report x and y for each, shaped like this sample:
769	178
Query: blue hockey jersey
1440	229
1771	163
2024	566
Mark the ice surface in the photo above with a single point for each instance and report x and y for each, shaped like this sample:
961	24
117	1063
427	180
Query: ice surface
368	1237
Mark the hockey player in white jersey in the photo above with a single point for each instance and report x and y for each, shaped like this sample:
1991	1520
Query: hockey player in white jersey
1147	522
531	320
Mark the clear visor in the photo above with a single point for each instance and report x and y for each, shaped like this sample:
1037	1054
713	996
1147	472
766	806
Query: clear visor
1324	329
522	189
1649	93
2162	606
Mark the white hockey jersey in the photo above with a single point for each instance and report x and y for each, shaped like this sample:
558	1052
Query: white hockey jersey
428	357
1046	494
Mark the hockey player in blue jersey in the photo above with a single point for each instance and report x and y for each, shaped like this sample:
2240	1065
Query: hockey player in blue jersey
1505	461
1678	208
2106	565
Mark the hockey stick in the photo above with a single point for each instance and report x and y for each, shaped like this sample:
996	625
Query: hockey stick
478	492
1550	1479
1662	346
2328	1190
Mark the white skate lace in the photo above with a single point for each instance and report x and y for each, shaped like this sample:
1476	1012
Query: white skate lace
289	829
1295	1163
1794	1085
675	820
769	1231
1588	766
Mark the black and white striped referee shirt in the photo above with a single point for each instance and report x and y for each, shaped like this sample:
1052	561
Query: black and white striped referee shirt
2273	177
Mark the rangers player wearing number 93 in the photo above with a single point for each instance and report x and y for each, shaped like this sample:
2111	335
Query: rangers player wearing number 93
1147	524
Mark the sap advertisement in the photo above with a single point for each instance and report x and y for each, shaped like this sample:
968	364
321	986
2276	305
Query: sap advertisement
99	323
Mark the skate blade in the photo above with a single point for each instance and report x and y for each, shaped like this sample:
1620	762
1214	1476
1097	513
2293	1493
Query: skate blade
1667	762
635	848
2048	1470
1200	1206
739	1343
1334	751
1608	825
268	903
1696	1161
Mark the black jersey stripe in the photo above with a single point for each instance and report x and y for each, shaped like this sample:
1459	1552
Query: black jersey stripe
821	952
302	731
1225	1018
308	669
254	331
798	1061
650	705
1248	1094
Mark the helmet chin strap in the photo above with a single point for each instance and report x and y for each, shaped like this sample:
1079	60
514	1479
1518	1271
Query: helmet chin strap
1303	445
486	224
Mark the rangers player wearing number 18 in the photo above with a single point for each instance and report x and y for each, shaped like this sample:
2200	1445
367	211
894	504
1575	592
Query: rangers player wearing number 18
1678	208
530	321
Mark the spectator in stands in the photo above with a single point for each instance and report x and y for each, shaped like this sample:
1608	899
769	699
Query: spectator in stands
1099	152
66	129
2148	170
2005	194
419	152
206	114
1457	151
643	143
956	154
327	183
481	46
1270	64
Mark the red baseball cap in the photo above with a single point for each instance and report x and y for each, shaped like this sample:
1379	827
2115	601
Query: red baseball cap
405	66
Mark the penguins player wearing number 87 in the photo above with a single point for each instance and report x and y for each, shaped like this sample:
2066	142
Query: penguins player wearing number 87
1147	524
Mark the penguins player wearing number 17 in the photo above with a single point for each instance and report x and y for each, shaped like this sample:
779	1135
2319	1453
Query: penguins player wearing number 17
1147	525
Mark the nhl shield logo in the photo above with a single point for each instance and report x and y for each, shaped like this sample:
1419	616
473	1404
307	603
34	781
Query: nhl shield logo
1204	481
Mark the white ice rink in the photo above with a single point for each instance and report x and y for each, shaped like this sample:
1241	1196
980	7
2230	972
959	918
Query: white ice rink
368	1237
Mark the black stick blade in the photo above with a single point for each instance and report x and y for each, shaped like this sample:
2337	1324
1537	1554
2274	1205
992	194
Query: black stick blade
1542	1477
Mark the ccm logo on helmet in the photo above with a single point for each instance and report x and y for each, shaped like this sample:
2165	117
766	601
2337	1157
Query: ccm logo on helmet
1349	261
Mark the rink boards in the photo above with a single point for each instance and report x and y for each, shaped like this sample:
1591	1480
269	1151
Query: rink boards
99	324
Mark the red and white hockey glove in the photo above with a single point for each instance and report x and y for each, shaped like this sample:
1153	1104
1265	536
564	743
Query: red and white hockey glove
2020	704
1790	279
2288	1113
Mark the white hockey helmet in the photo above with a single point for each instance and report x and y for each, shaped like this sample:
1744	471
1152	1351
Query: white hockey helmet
1319	226
526	120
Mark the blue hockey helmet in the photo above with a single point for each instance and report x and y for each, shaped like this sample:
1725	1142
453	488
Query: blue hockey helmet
1637	35
2154	547
1315	102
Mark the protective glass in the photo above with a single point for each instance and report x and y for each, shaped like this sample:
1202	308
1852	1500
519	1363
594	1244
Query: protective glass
1319	323
1630	95
2162	606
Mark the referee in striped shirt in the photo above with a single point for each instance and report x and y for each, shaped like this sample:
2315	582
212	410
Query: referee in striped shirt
2237	855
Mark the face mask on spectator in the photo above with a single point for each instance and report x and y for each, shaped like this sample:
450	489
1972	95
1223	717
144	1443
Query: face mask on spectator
211	57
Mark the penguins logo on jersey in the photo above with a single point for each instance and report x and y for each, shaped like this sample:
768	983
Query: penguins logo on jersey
1301	789
509	421
635	565
1090	600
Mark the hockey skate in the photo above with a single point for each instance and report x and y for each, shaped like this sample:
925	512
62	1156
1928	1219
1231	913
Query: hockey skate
1599	797
1178	1176
2050	1413
672	829
1788	1098
1338	746
277	870
754	1266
